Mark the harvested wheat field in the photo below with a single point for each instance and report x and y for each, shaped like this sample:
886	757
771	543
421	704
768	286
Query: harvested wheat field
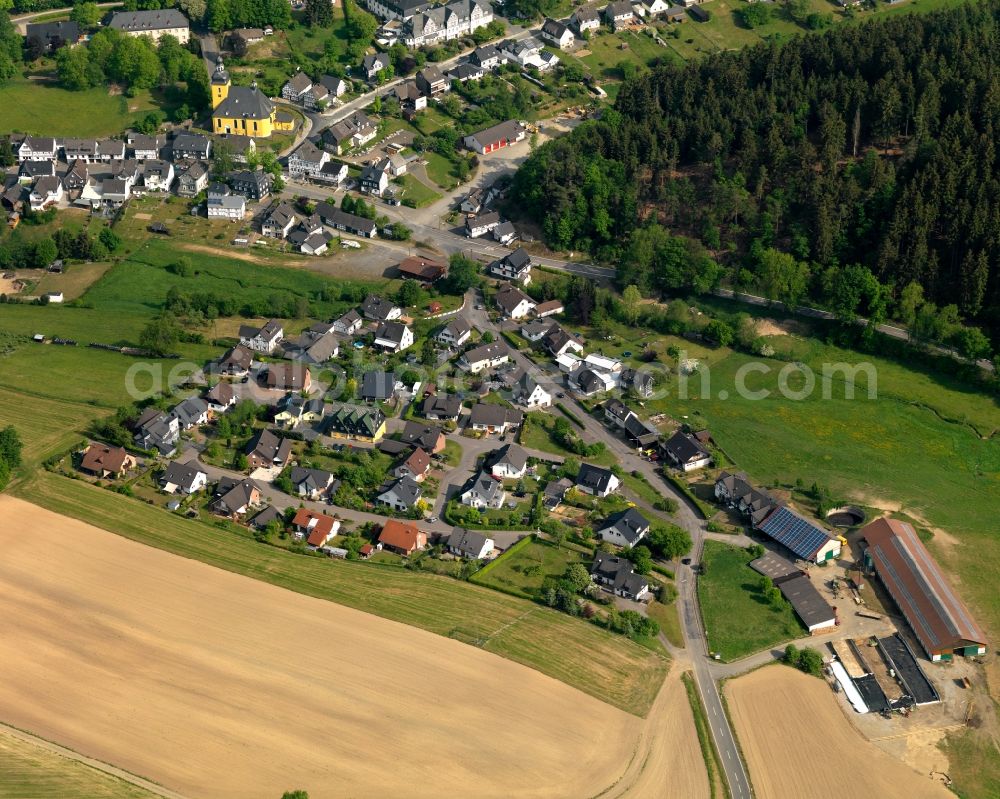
217	685
789	724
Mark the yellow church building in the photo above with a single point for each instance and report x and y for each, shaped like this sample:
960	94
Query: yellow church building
244	110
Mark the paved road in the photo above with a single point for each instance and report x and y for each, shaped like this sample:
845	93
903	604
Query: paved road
21	19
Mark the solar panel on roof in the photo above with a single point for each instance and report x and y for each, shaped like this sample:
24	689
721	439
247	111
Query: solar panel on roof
800	535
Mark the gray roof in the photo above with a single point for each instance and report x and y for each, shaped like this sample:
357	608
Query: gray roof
510	296
266	516
486	352
377	385
391	331
299	82
307	481
421	435
467	542
144	21
190	410
594	477
629	524
485	485
182	474
619	573
509	455
406	489
244	102
508	130
446	405
485	413
307	151
376	307
684	448
458	326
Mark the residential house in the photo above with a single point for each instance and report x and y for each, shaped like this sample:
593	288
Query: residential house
263	519
296	87
332	173
429	438
411	99
481	224
455	333
307	160
154	24
555	492
221	397
340	220
192	180
393	337
336	87
354	131
294	409
30	171
442	408
378	386
617	412
638	381
157	175
279	220
496	137
288	377
422	269
596	480
313	484
348	324
236	362
515	266
80	150
686	452
510	462
619	14
45	192
656	7
234	497
191	145
557	33
625	528
558	341
104	461
37	148
585	19
736	491
470	544
485	356
504	233
415	466
589	382
439	23
487	56
380	309
536	329
355	422
314	346
315	243
262	339
618	575
513	302
53	35
431	81
401	495
483	492
372	65
185	478
466	71
157	430
191	412
254	184
401	538
316	528
77	177
374	178
241	39
489	418
221	203
473	202
266	450
528	393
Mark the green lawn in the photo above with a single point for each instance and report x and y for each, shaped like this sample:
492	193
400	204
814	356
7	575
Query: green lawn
439	169
44	108
417	192
668	617
609	667
974	763
738	620
28	771
606	53
51	425
524	567
535	434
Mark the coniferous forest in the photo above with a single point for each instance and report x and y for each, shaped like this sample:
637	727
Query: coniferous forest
857	168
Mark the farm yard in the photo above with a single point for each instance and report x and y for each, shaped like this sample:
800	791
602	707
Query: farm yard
191	638
788	722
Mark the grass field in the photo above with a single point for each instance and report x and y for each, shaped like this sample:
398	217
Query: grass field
50	427
607	666
974	763
535	434
523	569
44	108
439	169
738	621
31	772
73	282
667	616
417	192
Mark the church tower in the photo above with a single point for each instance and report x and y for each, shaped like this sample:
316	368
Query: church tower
220	83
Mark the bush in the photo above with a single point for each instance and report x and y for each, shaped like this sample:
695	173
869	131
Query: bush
807	659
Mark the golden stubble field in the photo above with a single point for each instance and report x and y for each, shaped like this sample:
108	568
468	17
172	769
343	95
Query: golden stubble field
799	745
216	685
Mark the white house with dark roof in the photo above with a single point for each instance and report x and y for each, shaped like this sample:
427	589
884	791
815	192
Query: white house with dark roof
455	333
400	495
483	492
596	480
262	339
154	24
279	221
515	266
485	356
625	529
557	33
617	575
510	462
186	478
470	544
348	324
394	337
37	148
686	452
380	309
585	19
528	393
307	161
514	303
491	419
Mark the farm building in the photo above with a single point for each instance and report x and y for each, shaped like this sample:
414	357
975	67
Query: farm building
808	604
805	539
942	624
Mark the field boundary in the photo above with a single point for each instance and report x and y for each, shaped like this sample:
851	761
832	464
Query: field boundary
97	765
708	751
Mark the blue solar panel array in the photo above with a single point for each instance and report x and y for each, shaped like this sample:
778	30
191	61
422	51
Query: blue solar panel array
800	535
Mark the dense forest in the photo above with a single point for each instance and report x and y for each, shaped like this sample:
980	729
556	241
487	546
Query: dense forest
857	168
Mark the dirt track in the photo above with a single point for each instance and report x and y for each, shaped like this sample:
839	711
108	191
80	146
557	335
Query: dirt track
799	745
216	685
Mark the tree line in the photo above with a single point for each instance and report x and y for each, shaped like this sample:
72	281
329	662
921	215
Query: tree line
856	168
